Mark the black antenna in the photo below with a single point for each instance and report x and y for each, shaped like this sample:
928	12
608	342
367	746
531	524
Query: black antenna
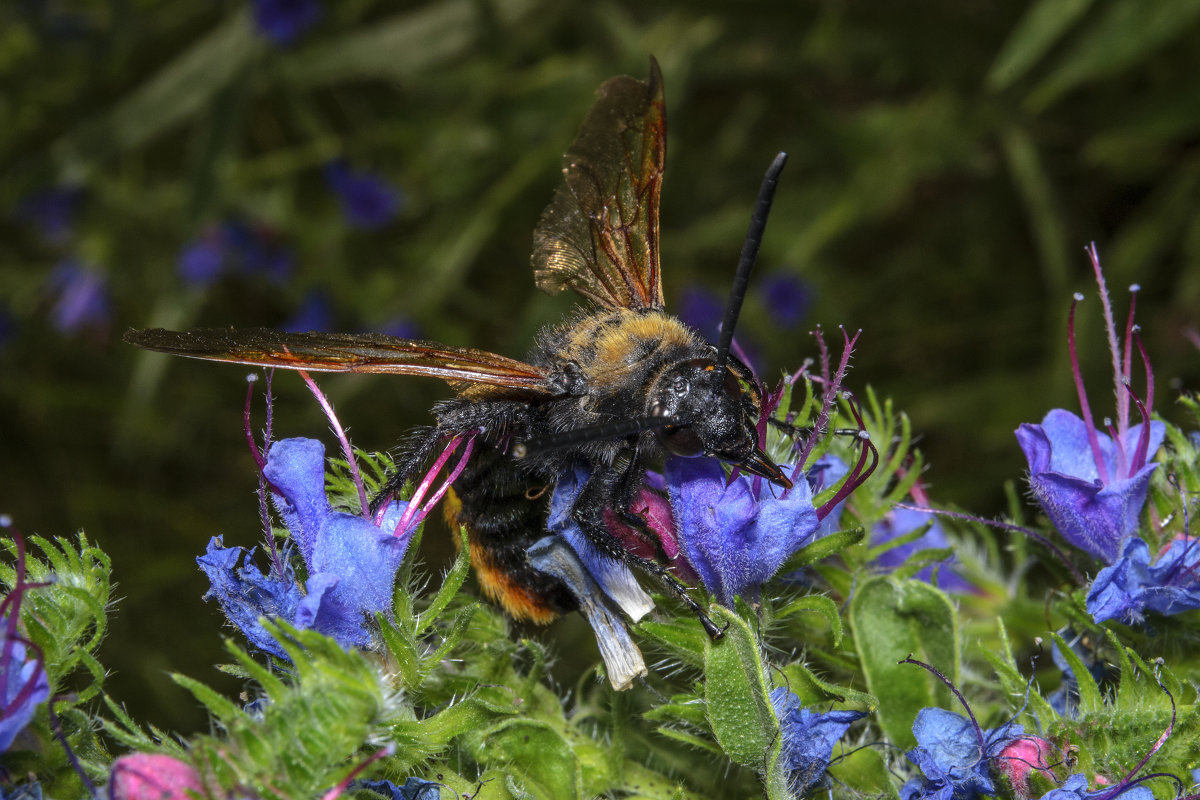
590	433
741	279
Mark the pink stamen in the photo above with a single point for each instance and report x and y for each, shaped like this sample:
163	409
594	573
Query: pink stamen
1130	329
1093	439
347	450
1114	346
1118	446
1142	452
1137	338
258	458
830	390
410	515
859	474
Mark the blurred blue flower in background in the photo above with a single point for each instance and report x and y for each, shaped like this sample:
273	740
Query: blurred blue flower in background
81	298
282	21
786	297
368	201
901	521
51	211
702	309
314	314
234	246
401	326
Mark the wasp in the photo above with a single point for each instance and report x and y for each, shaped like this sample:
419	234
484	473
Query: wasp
614	388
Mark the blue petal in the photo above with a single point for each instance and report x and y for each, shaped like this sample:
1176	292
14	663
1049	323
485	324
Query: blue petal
246	594
1073	788
901	521
413	789
1131	586
368	201
736	541
951	757
1092	515
362	557
612	575
808	738
296	467
322	610
16	676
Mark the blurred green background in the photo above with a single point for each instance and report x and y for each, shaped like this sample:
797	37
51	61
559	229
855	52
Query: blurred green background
949	162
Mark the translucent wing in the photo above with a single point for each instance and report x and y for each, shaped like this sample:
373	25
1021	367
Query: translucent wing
599	235
462	367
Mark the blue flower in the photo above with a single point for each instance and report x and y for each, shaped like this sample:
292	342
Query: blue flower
1132	586
808	738
401	326
368	201
1092	485
51	211
413	789
787	298
702	309
282	21
823	474
612	575
246	594
1096	514
81	297
351	562
1075	788
23	686
954	756
901	521
233	246
735	537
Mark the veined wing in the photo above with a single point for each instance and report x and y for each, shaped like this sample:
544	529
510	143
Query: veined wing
599	235
346	352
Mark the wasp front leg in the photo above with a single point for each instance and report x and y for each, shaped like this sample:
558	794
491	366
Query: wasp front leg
616	488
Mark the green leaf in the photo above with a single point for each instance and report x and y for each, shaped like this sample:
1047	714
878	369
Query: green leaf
812	689
823	548
736	695
451	583
1090	700
1123	34
682	638
537	754
1044	24
816	604
890	621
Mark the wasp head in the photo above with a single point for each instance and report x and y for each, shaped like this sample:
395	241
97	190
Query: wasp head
717	415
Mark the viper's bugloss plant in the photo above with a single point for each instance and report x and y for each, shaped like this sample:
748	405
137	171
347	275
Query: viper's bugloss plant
367	674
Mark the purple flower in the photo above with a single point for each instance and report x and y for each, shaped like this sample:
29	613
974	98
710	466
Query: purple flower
368	201
51	211
787	298
1092	485
81	298
736	534
1129	588
281	21
901	521
233	246
808	738
350	560
954	756
314	314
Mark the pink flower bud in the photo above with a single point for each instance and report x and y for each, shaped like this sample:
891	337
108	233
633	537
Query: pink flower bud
151	776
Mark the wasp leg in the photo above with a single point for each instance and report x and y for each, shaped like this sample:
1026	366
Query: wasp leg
599	493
